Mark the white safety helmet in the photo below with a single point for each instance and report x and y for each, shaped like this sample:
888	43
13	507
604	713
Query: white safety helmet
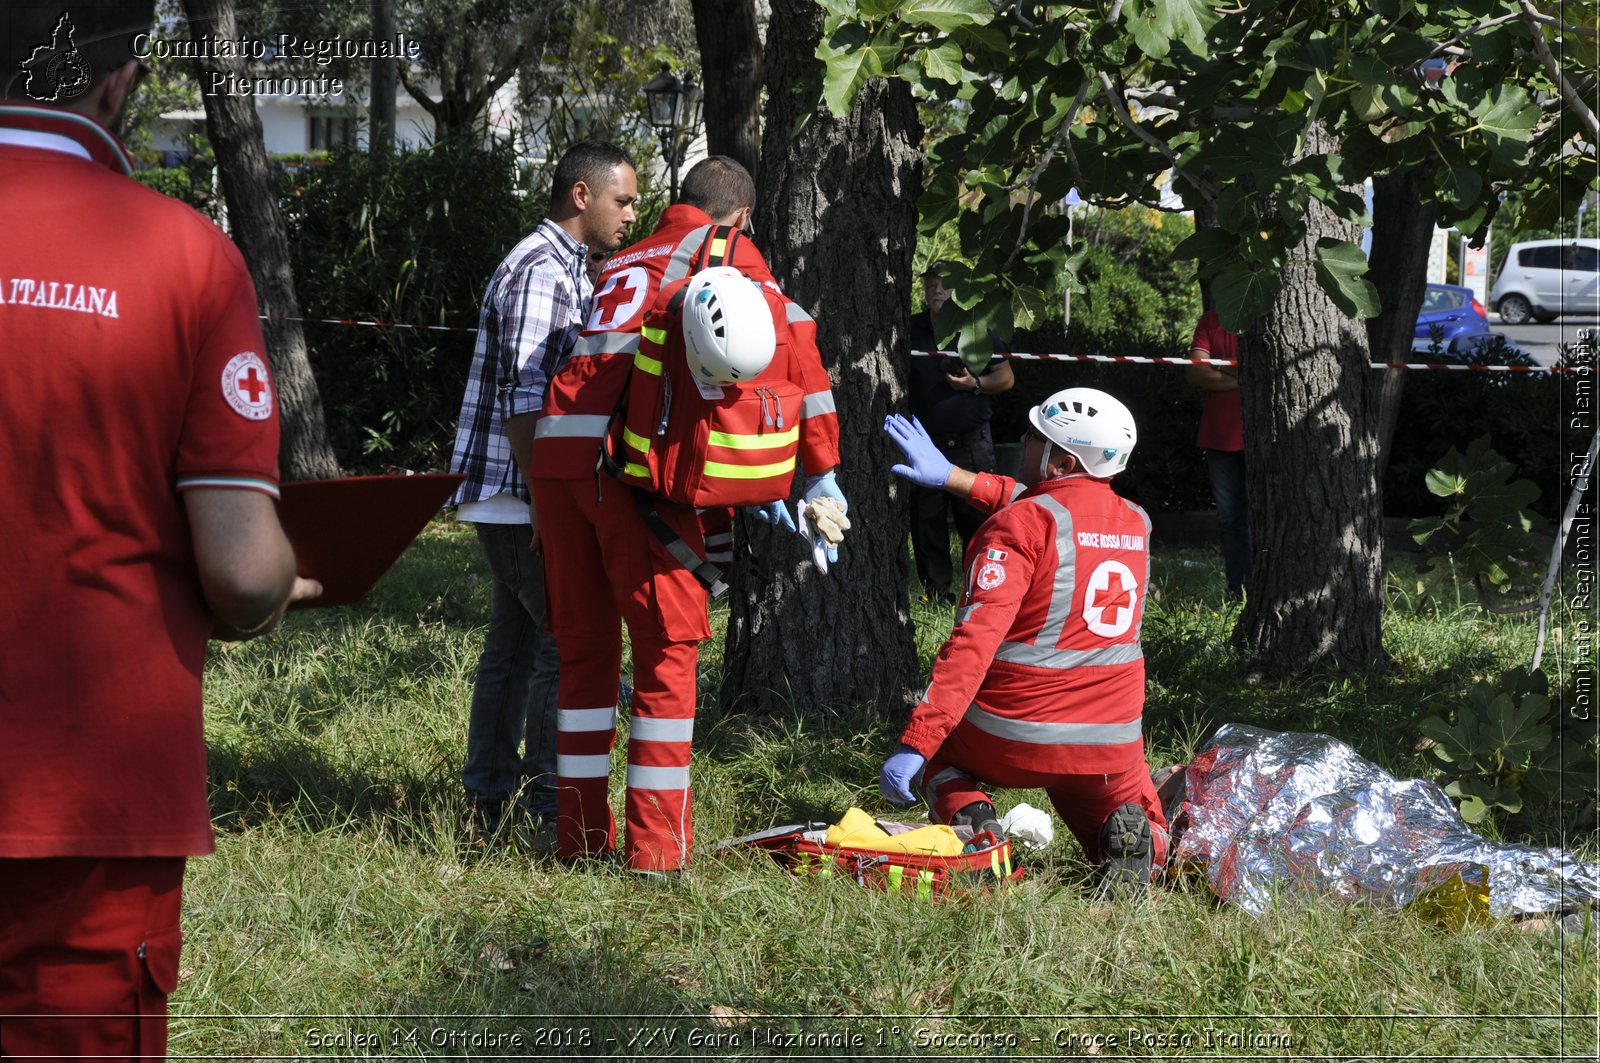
1090	425
727	328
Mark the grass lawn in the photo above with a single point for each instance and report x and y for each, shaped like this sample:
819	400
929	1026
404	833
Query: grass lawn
342	916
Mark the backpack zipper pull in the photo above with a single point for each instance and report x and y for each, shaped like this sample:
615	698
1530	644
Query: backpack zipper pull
666	402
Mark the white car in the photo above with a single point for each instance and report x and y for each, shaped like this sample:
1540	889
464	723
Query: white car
1543	278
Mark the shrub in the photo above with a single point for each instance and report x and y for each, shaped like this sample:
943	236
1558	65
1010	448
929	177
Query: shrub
190	183
412	238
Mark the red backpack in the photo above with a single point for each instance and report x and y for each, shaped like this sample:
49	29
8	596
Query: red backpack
698	444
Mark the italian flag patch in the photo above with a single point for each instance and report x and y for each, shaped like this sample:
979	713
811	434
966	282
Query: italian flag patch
996	555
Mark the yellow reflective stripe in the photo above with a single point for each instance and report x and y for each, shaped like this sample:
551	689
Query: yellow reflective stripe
994	862
748	472
635	469
654	335
645	363
924	885
896	875
634	440
719	247
761	441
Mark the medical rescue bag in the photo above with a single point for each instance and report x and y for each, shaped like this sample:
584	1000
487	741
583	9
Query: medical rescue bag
697	443
802	849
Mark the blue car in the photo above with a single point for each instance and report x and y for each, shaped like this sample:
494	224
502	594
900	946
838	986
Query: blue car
1454	317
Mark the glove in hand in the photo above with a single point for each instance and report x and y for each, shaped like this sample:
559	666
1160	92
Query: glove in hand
928	467
894	780
772	513
824	486
826	518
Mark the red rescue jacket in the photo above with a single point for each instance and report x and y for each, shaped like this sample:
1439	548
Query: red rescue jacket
588	382
1045	659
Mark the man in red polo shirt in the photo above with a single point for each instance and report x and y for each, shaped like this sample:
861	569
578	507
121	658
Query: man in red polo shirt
139	439
1222	439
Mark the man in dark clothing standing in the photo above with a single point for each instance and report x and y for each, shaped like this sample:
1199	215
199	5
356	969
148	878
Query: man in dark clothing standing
953	405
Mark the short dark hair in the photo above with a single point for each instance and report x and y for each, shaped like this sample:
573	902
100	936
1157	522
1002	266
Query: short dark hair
719	186
594	162
101	35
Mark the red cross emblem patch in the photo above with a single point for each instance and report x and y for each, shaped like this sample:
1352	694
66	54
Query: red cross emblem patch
247	386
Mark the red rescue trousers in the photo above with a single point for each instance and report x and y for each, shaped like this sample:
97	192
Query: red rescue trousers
88	954
604	568
1082	801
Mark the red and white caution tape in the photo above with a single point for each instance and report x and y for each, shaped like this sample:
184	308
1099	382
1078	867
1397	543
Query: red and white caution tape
1025	356
1133	359
368	324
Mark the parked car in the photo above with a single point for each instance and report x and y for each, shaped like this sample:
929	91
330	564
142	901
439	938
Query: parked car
1542	278
1452	313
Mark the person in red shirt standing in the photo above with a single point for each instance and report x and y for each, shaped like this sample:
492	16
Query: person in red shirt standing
1222	439
139	439
589	523
1041	683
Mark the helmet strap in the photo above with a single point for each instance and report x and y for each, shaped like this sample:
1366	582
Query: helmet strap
1044	460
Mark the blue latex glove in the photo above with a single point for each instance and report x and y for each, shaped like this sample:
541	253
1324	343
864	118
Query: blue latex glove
894	780
772	513
816	487
928	467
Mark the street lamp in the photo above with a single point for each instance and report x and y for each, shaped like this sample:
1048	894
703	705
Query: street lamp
674	115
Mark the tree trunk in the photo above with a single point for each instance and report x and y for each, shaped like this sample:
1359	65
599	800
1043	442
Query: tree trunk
380	108
257	226
1402	236
730	64
1315	596
837	215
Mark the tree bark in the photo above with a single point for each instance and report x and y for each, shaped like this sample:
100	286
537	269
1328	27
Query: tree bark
837	216
730	64
380	107
1315	597
1402	236
257	227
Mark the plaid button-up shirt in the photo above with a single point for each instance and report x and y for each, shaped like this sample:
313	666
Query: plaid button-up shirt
532	313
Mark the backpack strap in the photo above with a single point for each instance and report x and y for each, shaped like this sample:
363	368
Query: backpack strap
709	575
718	247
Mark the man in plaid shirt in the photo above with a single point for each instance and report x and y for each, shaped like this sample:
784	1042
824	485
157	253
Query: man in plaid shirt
532	312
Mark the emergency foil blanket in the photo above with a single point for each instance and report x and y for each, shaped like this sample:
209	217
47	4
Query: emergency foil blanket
1267	811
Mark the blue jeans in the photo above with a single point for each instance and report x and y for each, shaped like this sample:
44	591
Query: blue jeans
1233	514
514	693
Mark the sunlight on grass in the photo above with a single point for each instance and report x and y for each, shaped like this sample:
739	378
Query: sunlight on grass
342	884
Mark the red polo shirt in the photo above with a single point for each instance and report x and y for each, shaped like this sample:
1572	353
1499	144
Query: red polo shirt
1221	421
131	368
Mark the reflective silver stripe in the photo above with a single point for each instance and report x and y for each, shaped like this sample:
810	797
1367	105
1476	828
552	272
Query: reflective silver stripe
1055	620
586	719
656	729
714	557
571	426
792	312
720	539
678	267
1138	629
943	777
967	612
643	778
1050	657
1037	733
1016	492
606	343
816	404
591	766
